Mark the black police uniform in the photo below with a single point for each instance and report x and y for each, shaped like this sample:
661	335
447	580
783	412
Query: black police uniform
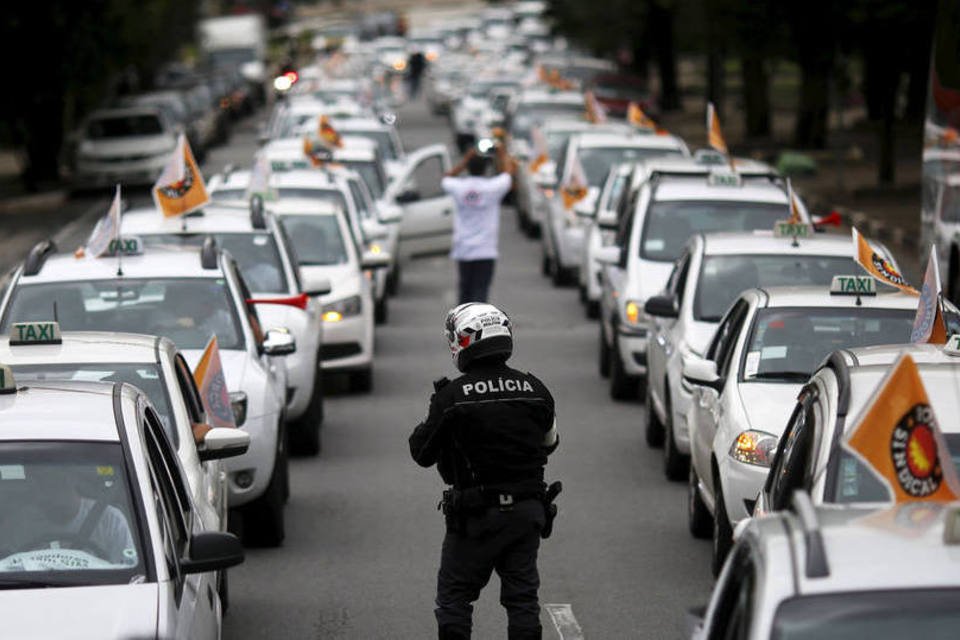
489	432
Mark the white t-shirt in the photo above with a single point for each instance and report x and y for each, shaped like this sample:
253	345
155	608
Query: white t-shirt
477	222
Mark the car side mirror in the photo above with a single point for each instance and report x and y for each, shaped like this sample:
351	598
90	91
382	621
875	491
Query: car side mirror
408	196
212	551
701	372
372	260
390	215
373	231
609	254
661	306
223	442
607	219
279	342
316	287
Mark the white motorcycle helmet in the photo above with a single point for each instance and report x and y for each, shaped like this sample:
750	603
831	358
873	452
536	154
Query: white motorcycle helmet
477	330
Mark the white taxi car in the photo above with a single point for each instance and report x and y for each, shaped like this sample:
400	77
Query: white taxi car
712	270
265	256
600	230
828	406
187	296
593	154
325	249
825	573
765	348
669	200
99	536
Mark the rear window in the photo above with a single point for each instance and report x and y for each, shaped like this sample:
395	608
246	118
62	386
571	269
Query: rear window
596	161
316	239
124	127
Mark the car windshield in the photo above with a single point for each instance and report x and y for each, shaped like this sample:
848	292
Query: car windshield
669	224
124	127
383	139
67	516
722	278
596	161
186	310
219	195
789	343
316	239
878	615
370	172
326	195
256	253
530	114
145	376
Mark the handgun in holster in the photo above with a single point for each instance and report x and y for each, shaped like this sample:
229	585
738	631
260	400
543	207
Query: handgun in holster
457	505
550	508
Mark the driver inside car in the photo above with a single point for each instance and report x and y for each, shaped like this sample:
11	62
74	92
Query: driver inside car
50	513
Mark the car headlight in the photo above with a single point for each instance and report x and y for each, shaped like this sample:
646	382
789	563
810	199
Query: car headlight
633	313
754	447
340	309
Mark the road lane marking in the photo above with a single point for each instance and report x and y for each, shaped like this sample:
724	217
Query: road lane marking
564	621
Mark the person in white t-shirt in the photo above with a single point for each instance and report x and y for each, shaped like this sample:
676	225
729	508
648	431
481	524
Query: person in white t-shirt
476	225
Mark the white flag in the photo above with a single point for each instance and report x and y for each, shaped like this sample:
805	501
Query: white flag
107	229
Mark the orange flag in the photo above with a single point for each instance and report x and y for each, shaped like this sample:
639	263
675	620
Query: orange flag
714	134
877	266
637	117
575	189
898	437
929	325
180	188
540	148
213	387
328	135
795	216
595	111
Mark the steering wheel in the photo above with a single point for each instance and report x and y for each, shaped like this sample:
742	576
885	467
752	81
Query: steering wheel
67	540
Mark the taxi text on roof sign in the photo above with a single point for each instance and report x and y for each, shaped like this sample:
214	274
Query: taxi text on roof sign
132	246
724	179
788	229
7	383
46	332
853	286
952	348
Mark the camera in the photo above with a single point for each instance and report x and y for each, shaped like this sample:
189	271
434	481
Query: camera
485	146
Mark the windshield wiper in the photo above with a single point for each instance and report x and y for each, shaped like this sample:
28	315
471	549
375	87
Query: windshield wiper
802	376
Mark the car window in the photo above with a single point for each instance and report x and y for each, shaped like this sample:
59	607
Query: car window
186	310
371	174
188	388
428	176
733	604
728	338
316	239
124	127
678	277
360	201
793	456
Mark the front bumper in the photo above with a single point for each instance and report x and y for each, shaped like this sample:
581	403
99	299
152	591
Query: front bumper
258	461
741	485
633	350
348	344
97	173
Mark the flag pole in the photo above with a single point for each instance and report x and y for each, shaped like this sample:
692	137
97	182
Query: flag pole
116	233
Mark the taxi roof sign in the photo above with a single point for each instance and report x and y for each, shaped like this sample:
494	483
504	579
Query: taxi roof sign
788	229
952	347
43	332
853	286
7	383
951	525
129	246
724	178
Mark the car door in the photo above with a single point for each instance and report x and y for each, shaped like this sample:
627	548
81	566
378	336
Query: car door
427	225
660	344
192	596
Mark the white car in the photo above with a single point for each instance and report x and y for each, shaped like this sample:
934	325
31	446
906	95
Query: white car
710	273
99	535
744	386
537	106
474	112
326	249
593	154
829	406
186	295
129	145
667	201
265	256
941	226
818	573
600	230
384	135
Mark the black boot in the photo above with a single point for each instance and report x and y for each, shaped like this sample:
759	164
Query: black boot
524	634
452	633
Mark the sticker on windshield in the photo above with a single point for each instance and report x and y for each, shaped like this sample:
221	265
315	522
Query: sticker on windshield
654	244
12	472
752	364
773	353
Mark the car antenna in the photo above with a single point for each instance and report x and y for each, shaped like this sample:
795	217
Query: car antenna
55	316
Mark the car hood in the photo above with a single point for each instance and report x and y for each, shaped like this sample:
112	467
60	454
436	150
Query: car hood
234	361
768	405
344	280
115	611
134	146
652	279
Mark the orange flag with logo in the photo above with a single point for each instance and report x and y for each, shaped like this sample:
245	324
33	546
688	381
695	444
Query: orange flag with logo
637	117
180	188
540	149
929	325
898	437
877	266
213	387
328	135
714	134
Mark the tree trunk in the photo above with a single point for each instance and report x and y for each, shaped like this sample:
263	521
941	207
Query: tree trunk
661	30
756	95
813	108
716	88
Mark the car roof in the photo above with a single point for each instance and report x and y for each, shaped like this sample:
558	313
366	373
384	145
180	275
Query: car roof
212	219
761	242
820	296
37	412
303	206
635	140
234	179
545	96
155	262
885	355
84	347
304	178
696	188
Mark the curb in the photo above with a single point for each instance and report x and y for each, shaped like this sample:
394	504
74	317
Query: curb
32	202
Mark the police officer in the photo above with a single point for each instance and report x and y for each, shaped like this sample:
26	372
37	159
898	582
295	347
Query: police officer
489	432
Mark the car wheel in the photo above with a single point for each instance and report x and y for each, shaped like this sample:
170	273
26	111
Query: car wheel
592	309
604	354
675	463
393	281
653	431
699	520
304	433
545	267
380	311
722	531
561	276
622	385
362	381
263	524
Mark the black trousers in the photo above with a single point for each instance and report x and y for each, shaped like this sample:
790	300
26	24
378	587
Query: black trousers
504	541
475	279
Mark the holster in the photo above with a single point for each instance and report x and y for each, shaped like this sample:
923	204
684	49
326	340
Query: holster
457	505
549	508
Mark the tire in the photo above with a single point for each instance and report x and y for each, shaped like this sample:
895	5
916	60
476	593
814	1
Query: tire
560	276
722	531
381	312
223	590
545	267
582	294
604	360
304	432
263	523
653	431
622	385
592	309
699	520
393	281
676	465
362	381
